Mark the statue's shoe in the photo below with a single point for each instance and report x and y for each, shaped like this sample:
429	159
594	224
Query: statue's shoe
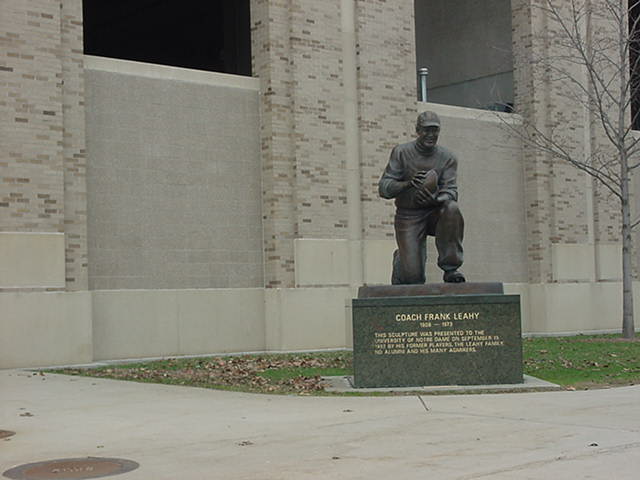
453	276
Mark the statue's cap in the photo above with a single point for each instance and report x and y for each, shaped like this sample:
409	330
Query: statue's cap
428	119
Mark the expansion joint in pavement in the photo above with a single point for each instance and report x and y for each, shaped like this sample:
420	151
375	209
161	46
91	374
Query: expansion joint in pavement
561	458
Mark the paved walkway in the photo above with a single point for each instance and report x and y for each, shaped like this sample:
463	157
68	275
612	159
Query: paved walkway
191	433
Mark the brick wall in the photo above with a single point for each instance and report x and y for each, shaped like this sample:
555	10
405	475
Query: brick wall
564	205
272	62
298	56
32	185
73	145
554	192
318	119
42	187
387	97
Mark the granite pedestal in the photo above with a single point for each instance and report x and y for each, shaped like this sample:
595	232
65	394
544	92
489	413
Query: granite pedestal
443	339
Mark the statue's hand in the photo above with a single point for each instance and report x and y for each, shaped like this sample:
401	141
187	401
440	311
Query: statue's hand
424	198
418	179
443	198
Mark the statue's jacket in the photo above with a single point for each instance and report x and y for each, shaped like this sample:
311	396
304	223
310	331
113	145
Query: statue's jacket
409	158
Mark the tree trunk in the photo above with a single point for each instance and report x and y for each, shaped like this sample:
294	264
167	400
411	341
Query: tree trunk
628	330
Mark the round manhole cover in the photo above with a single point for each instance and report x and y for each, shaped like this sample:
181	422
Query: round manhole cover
6	433
71	468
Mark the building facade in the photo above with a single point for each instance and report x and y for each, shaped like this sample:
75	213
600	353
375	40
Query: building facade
148	210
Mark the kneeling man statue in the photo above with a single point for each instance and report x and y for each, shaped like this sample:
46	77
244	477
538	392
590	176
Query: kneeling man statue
421	176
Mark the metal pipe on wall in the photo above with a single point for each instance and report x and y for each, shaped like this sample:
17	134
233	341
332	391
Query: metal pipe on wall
422	75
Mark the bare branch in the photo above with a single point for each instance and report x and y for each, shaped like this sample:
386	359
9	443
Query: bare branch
598	89
593	50
541	142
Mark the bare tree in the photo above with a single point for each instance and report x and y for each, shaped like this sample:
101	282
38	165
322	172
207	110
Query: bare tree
593	56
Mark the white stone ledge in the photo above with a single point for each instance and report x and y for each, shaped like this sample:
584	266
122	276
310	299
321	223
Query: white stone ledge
477	114
165	72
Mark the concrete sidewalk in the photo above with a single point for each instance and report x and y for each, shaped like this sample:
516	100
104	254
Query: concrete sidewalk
191	433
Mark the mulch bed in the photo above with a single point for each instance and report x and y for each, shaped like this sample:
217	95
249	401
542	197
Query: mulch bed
234	373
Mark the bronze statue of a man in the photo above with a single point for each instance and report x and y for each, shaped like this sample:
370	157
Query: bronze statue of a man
421	176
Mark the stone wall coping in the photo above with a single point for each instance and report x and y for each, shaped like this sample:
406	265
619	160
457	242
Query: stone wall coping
478	114
165	72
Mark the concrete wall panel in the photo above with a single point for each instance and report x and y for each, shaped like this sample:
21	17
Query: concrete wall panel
321	262
45	328
151	323
609	261
573	262
32	260
307	318
174	178
490	186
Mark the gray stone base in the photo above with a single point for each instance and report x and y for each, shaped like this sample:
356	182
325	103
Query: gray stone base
344	384
437	340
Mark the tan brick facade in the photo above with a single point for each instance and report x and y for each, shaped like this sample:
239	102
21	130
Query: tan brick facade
387	97
73	144
42	187
298	56
318	119
564	205
272	63
32	129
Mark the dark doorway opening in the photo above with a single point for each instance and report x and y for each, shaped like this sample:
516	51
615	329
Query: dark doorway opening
466	47
204	35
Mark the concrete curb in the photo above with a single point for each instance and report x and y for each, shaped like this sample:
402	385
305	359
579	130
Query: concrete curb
344	384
